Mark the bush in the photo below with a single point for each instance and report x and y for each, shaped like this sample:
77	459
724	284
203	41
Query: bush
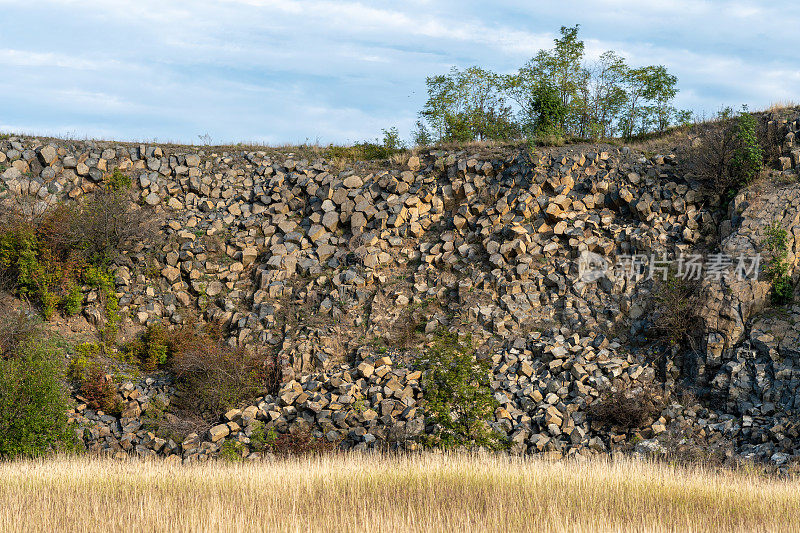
33	402
30	268
101	279
72	302
729	155
627	408
211	377
16	330
748	156
45	258
676	308
109	224
298	441
777	266
119	181
90	379
152	349
457	393
232	451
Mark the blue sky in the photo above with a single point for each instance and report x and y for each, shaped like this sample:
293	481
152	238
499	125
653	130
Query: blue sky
290	71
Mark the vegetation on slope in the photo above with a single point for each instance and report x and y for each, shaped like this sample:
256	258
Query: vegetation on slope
33	398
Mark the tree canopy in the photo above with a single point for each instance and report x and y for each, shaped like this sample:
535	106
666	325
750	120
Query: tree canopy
556	93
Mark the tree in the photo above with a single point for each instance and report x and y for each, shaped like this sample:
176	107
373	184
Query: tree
457	393
442	103
654	85
599	99
468	105
33	402
608	97
661	90
549	111
560	68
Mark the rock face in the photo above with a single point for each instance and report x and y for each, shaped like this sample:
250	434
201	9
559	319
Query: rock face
530	255
732	302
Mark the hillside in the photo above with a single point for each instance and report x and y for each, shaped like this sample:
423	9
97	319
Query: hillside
340	274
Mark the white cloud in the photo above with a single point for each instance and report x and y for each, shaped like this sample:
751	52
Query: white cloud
287	70
25	58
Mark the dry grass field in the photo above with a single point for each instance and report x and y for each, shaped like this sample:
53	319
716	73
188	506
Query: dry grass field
376	493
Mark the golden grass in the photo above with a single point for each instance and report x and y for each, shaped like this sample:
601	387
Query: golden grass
378	493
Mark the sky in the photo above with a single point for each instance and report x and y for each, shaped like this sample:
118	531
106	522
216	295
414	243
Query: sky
318	71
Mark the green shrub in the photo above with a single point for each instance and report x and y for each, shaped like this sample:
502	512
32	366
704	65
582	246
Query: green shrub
262	439
30	269
748	157
729	155
119	181
777	266
102	280
90	379
457	393
232	451
43	259
151	349
33	402
72	302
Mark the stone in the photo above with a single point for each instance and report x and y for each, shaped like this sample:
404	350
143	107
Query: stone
48	155
218	432
353	182
11	173
249	256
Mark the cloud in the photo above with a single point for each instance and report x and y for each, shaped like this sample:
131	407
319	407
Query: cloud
287	70
25	58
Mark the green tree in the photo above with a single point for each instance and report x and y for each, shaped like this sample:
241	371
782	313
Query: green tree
560	68
599	99
549	111
457	393
662	89
649	93
607	94
468	105
33	403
